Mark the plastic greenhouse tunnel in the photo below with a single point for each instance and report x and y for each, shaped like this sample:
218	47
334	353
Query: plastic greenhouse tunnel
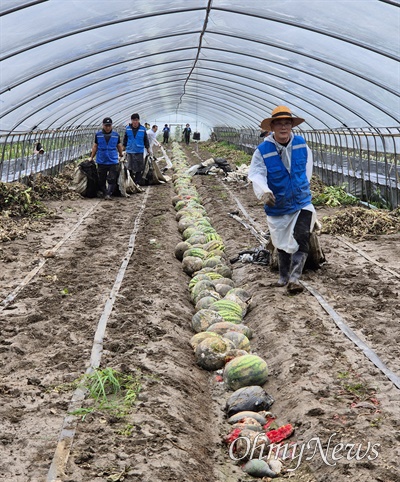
220	65
199	240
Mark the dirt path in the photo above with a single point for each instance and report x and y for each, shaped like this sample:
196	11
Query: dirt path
321	383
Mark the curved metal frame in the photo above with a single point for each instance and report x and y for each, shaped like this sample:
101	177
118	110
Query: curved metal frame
204	73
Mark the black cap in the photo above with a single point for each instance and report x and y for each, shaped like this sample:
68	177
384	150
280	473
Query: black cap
107	120
135	116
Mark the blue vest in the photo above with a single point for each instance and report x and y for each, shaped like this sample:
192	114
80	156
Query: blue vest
107	152
135	144
291	189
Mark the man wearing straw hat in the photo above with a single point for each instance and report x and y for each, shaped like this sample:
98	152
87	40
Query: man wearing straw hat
280	171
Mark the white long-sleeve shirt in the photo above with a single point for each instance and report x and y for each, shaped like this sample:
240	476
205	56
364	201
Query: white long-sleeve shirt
281	227
152	136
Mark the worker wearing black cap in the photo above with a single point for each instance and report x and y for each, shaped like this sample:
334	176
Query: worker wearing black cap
107	145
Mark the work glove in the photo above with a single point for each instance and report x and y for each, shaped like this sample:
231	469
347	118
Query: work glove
268	198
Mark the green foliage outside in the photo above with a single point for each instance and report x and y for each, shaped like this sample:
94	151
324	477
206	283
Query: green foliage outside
226	150
334	196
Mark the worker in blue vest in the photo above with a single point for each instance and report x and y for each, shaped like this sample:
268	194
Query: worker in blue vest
107	145
135	141
280	172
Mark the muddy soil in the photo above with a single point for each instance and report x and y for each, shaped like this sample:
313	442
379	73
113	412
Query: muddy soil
322	384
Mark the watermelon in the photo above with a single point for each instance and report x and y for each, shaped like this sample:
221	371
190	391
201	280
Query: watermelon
225	326
258	468
204	221
227	306
191	264
245	371
214	245
216	253
240	340
200	285
198	238
244	295
207	292
248	423
249	444
175	199
223	270
210	353
196	252
222	288
192	213
280	433
196	279
258	416
180	248
212	262
213	276
180	205
205	318
233	354
213	237
206	302
199	337
230	316
189	232
184	223
226	281
233	297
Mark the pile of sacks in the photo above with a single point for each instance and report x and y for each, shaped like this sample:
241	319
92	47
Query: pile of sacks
86	180
212	166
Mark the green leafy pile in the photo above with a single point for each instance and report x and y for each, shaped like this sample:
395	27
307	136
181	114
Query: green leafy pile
334	196
19	200
21	205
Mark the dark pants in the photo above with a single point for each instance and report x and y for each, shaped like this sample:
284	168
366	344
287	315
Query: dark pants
165	138
108	175
187	139
136	166
302	231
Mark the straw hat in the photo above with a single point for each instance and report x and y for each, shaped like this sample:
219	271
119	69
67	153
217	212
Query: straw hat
280	112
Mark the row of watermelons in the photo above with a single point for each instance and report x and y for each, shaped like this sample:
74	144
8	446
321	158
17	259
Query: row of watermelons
222	339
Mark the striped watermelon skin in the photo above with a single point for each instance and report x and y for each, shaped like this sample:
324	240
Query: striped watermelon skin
197	252
214	276
227	306
213	237
196	279
214	245
230	316
245	371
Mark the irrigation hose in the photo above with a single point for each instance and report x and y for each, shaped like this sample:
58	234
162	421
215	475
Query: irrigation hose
63	449
371	355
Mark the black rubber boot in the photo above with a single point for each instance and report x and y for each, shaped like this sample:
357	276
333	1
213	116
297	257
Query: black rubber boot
284	260
139	178
296	270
